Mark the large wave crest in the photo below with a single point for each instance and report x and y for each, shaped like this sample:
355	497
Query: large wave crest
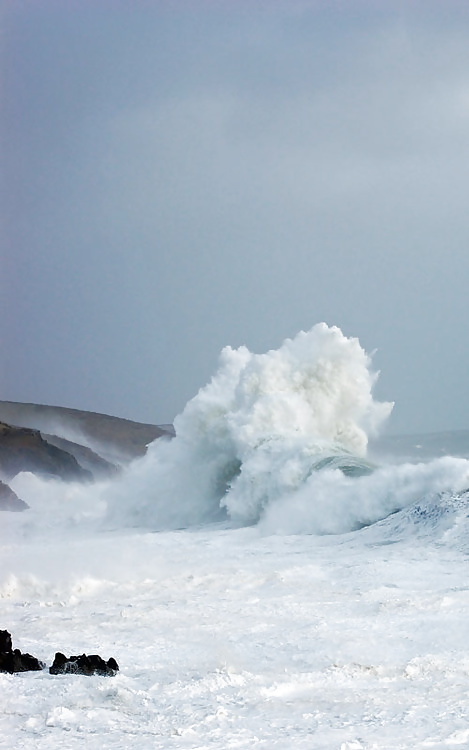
276	439
257	433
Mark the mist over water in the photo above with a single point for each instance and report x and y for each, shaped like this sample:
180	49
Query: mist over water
278	440
282	574
290	572
257	432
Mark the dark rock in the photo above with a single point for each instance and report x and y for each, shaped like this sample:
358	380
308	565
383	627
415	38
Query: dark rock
5	641
87	665
114	438
87	458
14	661
9	500
23	449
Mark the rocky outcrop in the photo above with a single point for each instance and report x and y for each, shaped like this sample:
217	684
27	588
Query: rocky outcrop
24	449
41	439
9	500
120	438
87	665
13	660
88	459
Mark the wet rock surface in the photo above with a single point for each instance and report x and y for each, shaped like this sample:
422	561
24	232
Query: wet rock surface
86	665
12	660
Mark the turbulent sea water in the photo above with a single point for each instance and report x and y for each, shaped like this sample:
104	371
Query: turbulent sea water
270	578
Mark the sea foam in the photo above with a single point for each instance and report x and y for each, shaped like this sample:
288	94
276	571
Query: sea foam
276	439
257	432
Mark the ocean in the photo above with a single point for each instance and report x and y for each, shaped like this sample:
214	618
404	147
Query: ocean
276	576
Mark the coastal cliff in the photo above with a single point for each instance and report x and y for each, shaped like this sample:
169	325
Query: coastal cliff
67	444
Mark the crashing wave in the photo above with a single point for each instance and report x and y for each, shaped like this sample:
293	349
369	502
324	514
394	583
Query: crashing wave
276	439
257	432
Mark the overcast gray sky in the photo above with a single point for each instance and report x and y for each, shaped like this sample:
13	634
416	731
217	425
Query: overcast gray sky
180	176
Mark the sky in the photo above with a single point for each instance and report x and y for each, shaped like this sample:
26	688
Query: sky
181	176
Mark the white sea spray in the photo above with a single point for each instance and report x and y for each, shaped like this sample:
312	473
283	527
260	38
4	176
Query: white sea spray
279	439
273	627
256	432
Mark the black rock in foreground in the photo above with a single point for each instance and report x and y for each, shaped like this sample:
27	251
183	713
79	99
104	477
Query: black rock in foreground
87	665
13	660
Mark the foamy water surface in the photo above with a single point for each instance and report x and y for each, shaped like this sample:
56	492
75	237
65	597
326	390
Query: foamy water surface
263	580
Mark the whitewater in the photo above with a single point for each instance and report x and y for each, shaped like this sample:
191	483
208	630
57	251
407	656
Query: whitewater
272	577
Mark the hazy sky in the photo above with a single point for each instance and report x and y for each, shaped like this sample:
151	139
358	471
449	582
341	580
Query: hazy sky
180	176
